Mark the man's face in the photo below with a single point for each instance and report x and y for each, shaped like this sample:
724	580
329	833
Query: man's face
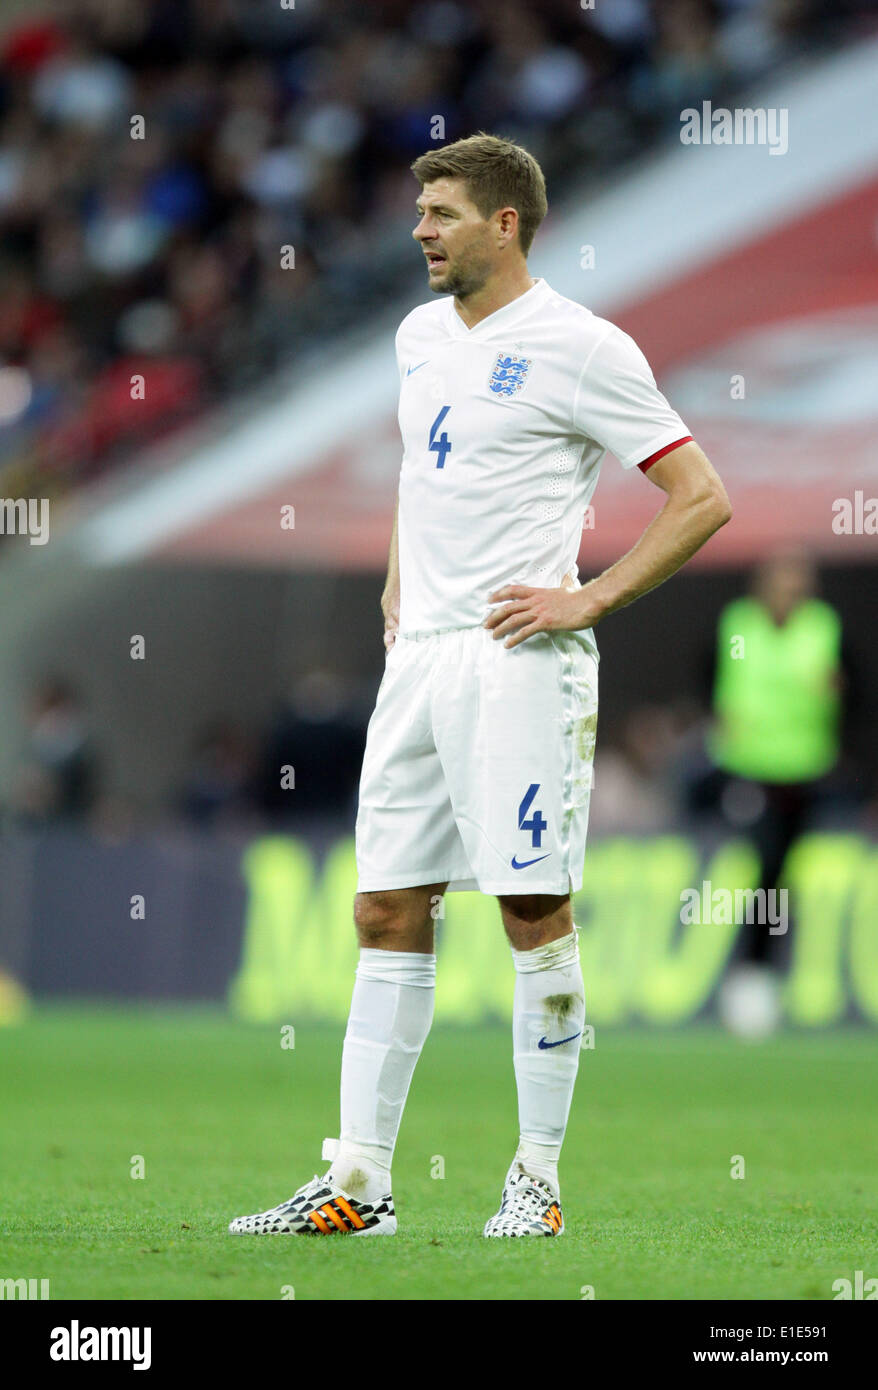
457	242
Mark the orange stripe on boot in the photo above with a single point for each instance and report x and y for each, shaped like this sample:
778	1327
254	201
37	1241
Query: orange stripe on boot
334	1217
319	1222
350	1213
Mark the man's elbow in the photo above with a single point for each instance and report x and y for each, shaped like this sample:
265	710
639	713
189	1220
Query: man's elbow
709	507
720	506
714	499
713	502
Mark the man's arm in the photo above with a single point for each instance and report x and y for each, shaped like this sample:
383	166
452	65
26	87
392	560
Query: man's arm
390	597
696	506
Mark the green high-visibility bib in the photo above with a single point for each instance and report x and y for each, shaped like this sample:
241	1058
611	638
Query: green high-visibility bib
776	697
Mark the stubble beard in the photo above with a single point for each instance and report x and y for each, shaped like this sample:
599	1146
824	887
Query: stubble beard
463	280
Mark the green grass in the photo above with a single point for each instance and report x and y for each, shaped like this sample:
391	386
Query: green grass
228	1122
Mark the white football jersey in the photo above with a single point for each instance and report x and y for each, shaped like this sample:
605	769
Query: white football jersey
504	428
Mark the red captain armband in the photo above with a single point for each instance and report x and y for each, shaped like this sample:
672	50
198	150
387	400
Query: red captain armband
653	458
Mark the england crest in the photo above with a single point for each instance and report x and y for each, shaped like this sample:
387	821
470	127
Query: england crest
508	374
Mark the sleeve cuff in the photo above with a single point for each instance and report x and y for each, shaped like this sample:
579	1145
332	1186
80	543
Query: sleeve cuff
647	463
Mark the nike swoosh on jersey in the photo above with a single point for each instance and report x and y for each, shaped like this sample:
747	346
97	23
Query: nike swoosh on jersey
527	863
544	1044
415	369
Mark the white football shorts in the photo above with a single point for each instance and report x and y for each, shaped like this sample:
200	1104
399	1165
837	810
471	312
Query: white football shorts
478	764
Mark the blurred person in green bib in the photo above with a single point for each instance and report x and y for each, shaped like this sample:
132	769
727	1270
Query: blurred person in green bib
778	687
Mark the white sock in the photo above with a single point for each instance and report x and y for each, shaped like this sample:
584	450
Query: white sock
549	1007
391	1013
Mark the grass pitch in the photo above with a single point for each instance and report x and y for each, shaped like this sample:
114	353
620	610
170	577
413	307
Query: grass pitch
227	1122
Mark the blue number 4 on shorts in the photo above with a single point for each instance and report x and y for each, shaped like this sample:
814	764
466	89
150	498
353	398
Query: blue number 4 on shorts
536	824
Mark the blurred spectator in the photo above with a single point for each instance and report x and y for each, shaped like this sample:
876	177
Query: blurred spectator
320	737
59	778
630	777
686	66
80	86
784	684
220	790
779	684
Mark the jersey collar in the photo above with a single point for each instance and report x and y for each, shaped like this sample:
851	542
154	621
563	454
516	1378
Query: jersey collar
501	318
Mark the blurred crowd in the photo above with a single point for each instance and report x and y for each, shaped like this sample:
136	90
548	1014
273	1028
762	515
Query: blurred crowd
196	193
300	769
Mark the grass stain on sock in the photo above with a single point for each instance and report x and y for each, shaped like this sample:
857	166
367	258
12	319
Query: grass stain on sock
560	1006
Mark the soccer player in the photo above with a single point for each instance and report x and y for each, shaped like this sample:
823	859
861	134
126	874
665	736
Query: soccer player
478	762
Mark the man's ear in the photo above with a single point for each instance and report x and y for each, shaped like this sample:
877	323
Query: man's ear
507	222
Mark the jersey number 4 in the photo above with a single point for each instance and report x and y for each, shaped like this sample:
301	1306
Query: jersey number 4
440	444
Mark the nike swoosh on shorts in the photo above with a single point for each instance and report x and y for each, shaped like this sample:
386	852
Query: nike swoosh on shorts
527	863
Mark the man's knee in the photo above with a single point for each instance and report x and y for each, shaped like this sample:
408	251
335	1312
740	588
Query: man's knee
398	919
377	916
532	920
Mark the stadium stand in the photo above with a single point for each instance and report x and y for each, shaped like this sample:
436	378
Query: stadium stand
155	157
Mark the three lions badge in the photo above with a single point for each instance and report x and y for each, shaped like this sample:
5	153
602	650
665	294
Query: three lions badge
508	374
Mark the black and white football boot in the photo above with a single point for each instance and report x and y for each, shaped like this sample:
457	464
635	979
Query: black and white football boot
528	1208
321	1208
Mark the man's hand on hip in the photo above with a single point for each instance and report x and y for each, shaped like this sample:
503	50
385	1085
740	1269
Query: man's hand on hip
526	611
